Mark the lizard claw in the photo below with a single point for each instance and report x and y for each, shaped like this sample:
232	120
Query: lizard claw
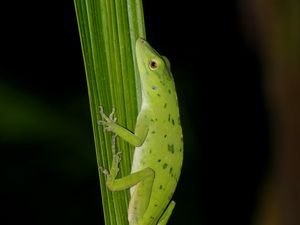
111	115
104	171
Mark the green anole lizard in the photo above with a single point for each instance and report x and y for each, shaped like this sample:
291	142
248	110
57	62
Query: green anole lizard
157	139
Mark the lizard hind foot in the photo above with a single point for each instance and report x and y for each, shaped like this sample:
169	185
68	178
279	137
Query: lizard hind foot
116	154
104	171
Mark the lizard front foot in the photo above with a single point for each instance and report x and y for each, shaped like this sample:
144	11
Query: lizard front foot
108	122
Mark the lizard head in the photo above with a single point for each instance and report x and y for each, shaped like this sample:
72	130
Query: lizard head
154	69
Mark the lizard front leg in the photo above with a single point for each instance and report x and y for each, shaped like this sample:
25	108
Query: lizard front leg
136	139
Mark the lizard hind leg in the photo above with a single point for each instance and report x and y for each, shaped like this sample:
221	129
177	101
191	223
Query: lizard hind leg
166	215
140	198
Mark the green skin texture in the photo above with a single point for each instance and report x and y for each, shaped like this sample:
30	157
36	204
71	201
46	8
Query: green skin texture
158	143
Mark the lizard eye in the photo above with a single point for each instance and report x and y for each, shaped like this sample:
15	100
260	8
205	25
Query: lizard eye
153	64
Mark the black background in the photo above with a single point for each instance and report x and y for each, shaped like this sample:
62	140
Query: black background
48	166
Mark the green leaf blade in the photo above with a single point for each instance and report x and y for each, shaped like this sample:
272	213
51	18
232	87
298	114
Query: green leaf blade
108	31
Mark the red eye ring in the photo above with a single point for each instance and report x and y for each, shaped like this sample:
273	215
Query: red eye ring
153	64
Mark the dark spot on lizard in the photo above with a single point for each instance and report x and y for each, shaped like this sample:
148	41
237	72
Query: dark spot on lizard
153	132
165	165
158	95
171	148
169	118
173	122
159	160
165	136
171	169
169	91
155	205
165	105
160	187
